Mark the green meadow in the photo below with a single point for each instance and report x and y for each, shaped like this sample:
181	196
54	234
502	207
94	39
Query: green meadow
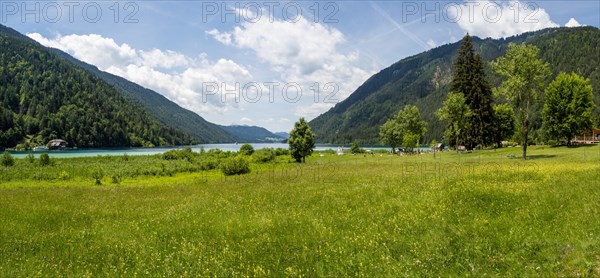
478	214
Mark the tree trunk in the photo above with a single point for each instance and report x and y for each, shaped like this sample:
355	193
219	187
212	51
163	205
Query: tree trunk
525	138
457	144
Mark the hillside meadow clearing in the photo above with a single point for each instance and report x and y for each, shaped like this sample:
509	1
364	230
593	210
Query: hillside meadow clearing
479	214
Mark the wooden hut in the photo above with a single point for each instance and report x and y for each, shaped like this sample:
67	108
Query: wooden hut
589	136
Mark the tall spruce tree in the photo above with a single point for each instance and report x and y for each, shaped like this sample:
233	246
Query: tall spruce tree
469	79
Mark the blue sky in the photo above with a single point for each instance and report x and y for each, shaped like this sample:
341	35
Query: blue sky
269	63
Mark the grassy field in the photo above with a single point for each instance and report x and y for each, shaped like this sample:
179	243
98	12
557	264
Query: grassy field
479	214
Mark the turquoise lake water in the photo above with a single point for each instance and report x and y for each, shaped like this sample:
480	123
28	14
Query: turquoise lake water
153	151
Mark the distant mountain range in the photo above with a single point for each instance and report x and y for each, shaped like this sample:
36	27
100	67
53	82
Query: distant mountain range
252	134
423	80
45	93
282	134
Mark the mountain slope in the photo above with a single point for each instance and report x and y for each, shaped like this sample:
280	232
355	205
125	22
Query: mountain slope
423	80
251	134
159	106
43	97
282	134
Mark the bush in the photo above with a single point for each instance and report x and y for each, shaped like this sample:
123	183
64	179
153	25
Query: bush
280	152
115	179
209	164
98	175
44	159
7	159
329	152
63	175
235	166
264	155
355	149
30	158
246	149
218	154
178	154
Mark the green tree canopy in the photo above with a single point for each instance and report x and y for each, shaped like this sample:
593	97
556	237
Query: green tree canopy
456	111
406	122
301	141
246	149
523	76
7	159
390	134
505	122
568	107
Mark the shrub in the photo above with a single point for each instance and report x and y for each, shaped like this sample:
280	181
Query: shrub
30	158
7	159
280	152
44	159
329	152
355	148
264	155
97	175
63	175
246	149
218	154
235	166
178	154
116	179
209	164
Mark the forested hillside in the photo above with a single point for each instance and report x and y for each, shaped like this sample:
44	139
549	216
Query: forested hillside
43	97
160	107
423	80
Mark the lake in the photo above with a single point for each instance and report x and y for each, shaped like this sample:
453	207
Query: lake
159	150
153	151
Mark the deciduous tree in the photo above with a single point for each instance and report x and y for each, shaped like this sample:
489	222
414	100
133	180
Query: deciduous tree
523	76
456	111
568	107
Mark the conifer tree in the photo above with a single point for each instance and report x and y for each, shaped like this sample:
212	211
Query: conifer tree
470	80
301	141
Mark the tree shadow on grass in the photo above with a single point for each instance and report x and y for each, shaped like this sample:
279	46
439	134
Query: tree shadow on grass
574	146
540	156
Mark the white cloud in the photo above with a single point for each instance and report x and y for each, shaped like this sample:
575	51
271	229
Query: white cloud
93	49
500	20
180	78
165	59
224	38
431	43
313	110
303	52
572	23
246	120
